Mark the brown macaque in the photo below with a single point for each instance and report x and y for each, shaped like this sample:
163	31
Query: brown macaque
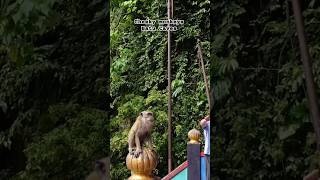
101	170
140	133
314	175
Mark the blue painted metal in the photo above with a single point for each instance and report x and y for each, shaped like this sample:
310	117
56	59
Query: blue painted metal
183	175
203	168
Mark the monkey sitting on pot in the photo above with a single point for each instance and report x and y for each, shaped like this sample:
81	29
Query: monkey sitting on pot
140	133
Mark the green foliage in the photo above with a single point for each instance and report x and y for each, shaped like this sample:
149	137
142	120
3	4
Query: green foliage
21	20
52	57
263	125
58	153
139	80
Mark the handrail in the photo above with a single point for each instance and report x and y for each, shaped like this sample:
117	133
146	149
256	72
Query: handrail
173	173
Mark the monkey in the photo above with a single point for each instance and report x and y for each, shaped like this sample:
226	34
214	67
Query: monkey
140	133
314	175
101	170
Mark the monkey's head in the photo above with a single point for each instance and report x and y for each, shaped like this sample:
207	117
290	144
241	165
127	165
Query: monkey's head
147	117
101	165
101	170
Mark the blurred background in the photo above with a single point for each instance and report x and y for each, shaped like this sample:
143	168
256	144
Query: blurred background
264	130
54	77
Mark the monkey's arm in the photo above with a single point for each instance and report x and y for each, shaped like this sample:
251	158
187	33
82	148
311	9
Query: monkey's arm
131	137
131	141
138	146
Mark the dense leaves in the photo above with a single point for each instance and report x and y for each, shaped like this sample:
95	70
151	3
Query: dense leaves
263	125
53	88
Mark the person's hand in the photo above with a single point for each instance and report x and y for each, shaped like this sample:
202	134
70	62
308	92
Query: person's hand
207	118
203	123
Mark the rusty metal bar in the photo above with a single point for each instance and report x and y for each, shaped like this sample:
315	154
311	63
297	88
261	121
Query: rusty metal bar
307	66
202	68
170	4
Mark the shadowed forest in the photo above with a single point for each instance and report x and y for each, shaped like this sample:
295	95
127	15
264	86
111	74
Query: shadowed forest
263	126
53	88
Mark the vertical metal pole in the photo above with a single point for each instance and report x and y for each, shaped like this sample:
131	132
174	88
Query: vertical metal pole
169	93
307	66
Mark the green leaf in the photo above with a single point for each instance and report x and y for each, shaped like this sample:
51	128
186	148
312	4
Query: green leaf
286	131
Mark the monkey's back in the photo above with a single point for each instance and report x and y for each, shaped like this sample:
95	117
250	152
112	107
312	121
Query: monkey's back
140	129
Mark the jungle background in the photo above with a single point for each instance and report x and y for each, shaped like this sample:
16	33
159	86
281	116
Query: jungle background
263	128
53	88
139	76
